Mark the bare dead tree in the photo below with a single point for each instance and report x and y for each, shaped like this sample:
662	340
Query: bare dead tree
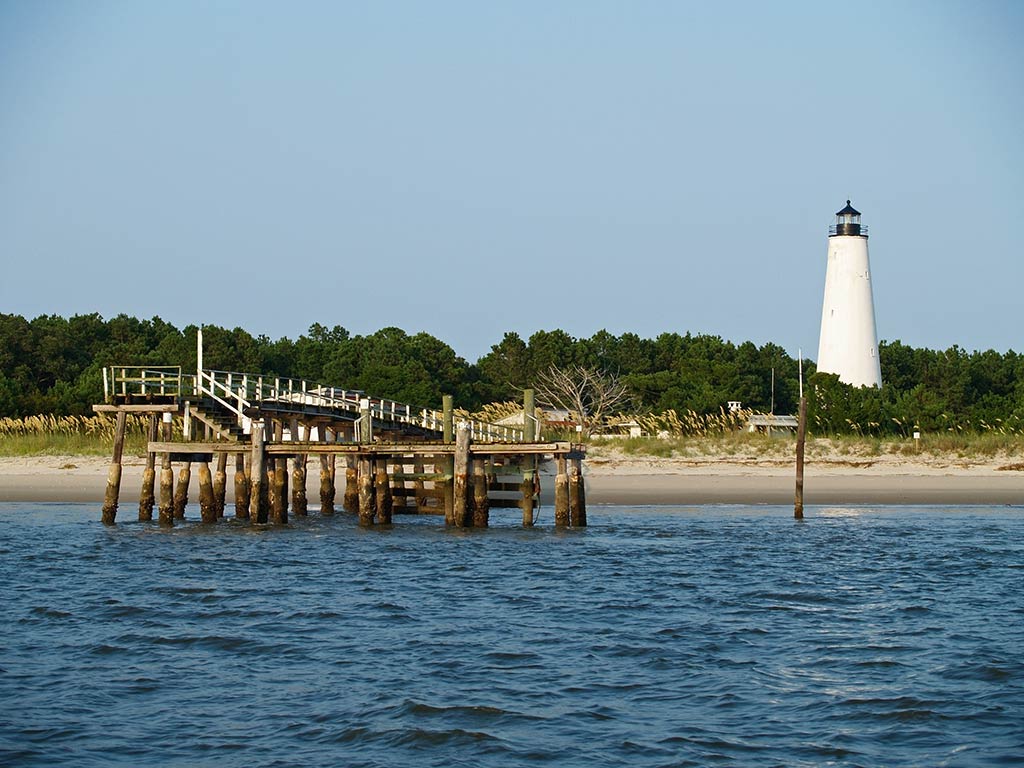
586	393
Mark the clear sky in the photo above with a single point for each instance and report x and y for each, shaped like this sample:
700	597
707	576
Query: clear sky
470	168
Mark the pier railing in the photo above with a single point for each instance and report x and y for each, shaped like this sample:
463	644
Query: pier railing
238	393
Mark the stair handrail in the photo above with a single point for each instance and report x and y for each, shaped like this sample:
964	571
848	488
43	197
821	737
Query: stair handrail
240	391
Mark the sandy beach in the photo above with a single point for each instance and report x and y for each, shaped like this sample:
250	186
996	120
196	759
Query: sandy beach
617	479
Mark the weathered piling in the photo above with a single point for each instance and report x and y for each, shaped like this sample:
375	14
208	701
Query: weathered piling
561	493
166	476
242	488
326	478
367	507
350	501
279	495
460	478
300	504
181	491
220	479
207	509
114	473
801	436
259	479
481	503
146	496
577	496
166	490
526	488
419	488
384	499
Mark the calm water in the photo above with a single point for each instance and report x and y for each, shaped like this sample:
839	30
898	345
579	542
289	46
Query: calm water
657	637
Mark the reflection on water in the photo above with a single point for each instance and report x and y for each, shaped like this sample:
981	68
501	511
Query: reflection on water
656	637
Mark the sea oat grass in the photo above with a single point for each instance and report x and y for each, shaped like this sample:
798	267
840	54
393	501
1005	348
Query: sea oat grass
46	435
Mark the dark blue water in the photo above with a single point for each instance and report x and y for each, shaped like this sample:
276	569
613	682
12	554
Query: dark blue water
657	637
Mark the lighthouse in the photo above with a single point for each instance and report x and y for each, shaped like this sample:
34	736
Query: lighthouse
848	345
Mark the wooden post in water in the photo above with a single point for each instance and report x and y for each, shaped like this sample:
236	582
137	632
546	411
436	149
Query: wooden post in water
350	502
220	481
114	473
259	481
299	503
527	488
561	493
146	497
207	509
577	496
326	476
460	481
529	436
385	501
242	488
166	478
181	492
801	436
481	504
367	507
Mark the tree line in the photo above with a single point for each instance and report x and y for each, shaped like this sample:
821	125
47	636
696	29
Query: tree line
52	364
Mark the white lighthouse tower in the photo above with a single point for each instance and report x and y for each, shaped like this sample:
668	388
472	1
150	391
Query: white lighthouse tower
848	345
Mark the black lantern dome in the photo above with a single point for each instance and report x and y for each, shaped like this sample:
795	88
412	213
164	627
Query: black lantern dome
848	223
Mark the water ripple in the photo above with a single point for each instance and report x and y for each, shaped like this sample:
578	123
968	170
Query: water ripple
656	637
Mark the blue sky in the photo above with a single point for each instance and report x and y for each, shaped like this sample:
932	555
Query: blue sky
472	168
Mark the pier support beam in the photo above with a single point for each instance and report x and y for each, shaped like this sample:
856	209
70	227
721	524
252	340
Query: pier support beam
561	494
181	492
460	478
207	508
242	488
300	504
166	479
114	473
385	502
220	480
577	496
259	494
146	496
367	507
527	488
326	477
481	503
350	502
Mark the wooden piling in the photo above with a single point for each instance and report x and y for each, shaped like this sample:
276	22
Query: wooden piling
242	488
481	503
418	486
114	473
561	493
350	501
801	436
207	508
166	479
220	479
326	478
181	491
385	502
146	497
279	496
447	418
577	496
166	491
527	488
300	504
460	481
367	506
259	479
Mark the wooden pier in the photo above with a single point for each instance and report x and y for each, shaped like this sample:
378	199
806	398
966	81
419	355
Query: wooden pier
384	458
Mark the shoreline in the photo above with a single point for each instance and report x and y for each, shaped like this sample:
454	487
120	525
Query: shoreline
641	482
